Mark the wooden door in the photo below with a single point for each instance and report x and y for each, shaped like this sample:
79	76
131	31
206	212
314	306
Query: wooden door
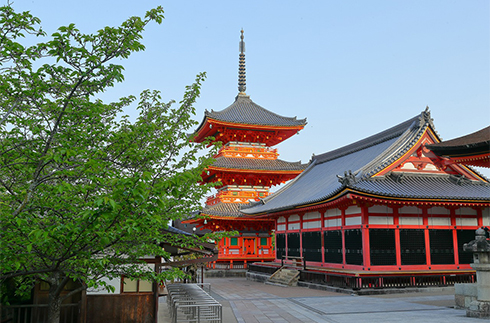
249	244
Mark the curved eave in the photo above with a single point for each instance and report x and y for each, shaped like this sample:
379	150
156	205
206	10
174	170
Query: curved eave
248	170
462	151
231	218
204	130
200	221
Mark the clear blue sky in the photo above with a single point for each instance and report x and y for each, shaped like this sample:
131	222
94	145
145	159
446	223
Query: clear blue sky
352	68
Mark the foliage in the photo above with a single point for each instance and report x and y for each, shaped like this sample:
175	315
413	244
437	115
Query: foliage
84	191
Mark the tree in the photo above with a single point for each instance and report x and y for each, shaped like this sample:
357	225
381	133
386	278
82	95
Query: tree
84	191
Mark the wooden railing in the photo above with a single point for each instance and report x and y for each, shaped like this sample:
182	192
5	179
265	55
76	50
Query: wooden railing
37	313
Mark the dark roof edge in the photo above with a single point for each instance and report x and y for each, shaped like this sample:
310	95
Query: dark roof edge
378	138
477	138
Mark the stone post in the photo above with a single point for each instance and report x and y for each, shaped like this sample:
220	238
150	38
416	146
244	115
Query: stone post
481	263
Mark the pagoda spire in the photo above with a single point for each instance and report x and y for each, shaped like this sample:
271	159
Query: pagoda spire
242	83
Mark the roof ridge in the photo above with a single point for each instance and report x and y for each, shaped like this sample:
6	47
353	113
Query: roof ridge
406	141
385	135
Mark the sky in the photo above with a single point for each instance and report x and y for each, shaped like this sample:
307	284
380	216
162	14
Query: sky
352	68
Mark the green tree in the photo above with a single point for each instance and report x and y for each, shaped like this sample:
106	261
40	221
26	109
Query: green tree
85	191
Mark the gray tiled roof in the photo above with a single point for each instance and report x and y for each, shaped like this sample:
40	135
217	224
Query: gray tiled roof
245	111
258	164
328	173
425	187
223	210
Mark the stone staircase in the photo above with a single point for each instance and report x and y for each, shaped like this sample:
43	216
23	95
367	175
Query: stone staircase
284	277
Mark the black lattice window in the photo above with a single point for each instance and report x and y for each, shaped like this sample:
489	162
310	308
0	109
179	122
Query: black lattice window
293	245
412	247
353	247
280	245
312	246
465	236
382	247
332	243
441	247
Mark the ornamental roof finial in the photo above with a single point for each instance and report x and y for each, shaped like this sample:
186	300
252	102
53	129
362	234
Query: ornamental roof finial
241	67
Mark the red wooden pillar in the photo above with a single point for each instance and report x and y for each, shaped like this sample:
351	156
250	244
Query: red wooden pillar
275	239
455	236
300	234
398	249
342	230
479	214
427	238
286	253
366	248
322	230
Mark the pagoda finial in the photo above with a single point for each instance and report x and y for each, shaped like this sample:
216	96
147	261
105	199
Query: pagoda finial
241	67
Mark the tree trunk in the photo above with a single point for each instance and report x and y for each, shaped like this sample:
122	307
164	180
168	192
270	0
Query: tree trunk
54	300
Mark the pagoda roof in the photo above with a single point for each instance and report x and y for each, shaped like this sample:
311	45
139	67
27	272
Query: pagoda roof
473	144
357	167
228	210
246	112
257	164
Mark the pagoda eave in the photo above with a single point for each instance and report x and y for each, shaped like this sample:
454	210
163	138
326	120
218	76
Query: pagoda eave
221	223
228	131
261	171
244	177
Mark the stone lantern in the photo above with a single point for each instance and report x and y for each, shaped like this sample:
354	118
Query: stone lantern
481	263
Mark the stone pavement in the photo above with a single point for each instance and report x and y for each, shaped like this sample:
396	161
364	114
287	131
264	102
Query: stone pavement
247	301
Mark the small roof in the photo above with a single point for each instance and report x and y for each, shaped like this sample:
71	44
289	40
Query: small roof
473	144
354	165
257	164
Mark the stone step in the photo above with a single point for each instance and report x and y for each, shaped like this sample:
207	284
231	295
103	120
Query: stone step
285	277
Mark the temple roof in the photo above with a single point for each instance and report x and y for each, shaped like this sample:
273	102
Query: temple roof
353	167
473	144
424	186
257	164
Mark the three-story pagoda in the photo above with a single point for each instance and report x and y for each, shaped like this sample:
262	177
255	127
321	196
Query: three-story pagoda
246	167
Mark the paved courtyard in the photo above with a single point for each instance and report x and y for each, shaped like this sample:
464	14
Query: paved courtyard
246	301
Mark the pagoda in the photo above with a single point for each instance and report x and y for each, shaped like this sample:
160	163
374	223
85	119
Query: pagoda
245	169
